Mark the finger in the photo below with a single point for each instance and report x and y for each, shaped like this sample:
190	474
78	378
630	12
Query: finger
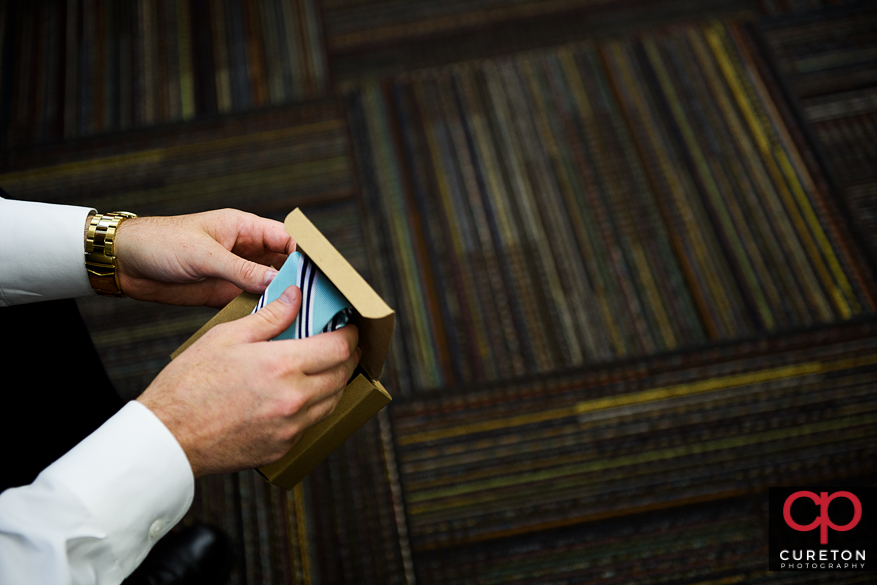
323	409
249	276
256	235
313	415
274	236
246	245
275	260
270	321
333	380
272	259
326	350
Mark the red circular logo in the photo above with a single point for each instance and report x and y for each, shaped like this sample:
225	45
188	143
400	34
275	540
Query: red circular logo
822	521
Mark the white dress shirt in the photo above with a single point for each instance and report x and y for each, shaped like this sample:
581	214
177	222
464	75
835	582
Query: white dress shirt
42	252
93	515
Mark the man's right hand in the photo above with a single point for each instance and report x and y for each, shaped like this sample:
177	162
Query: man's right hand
235	401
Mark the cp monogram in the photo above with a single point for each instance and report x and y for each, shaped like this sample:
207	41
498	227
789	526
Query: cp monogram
822	521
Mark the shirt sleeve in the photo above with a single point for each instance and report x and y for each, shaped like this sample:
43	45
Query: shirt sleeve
42	252
93	515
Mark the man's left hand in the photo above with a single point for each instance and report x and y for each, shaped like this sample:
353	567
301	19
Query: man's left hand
199	259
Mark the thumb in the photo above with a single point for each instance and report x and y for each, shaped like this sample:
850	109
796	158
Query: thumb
272	320
249	276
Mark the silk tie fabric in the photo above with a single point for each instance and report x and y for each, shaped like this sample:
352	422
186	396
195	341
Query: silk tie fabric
323	307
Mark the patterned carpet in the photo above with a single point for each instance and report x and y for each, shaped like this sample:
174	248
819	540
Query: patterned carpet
829	61
483	463
591	202
141	64
630	246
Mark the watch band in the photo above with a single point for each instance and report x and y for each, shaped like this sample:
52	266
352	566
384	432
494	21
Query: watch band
100	257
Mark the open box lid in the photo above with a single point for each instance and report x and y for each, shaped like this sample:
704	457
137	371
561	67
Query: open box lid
374	318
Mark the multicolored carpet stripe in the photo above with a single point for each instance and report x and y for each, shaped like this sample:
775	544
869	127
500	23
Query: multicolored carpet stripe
83	67
373	39
484	463
592	202
354	25
828	59
701	543
265	162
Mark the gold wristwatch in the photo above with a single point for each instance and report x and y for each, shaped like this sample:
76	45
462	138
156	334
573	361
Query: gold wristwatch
100	255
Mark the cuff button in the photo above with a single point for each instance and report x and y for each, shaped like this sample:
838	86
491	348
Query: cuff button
156	528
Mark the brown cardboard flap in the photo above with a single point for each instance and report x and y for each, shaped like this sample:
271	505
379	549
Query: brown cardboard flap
375	320
361	400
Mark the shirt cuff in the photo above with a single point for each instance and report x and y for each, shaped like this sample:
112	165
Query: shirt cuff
134	478
42	252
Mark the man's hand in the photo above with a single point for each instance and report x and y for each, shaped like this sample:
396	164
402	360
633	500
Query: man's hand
200	259
236	401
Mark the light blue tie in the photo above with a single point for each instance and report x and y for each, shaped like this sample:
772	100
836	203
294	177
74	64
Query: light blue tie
323	308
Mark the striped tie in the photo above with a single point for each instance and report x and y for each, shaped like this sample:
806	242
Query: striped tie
323	308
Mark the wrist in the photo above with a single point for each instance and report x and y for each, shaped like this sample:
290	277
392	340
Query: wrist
170	418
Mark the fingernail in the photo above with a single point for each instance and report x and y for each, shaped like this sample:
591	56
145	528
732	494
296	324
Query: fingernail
269	276
288	296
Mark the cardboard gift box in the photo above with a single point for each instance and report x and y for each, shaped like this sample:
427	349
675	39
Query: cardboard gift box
364	395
